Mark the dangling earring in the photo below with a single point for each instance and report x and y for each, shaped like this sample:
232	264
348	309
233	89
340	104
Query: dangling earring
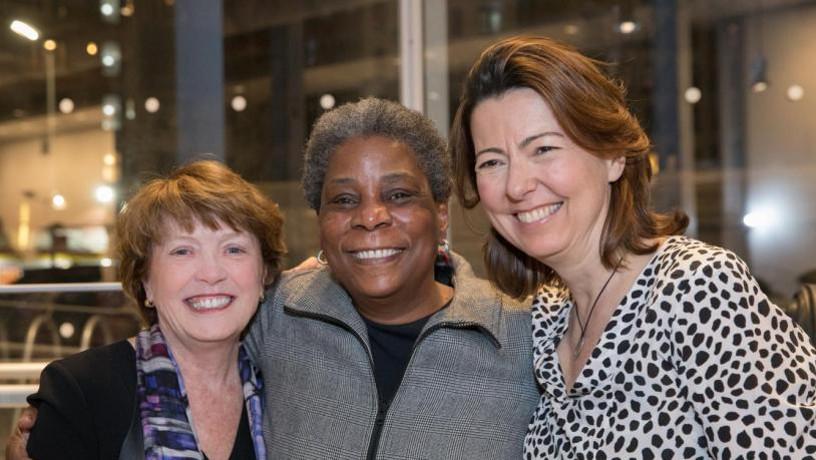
321	258
443	254
262	297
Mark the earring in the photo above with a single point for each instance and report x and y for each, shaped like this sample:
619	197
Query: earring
149	303
444	245
262	297
321	258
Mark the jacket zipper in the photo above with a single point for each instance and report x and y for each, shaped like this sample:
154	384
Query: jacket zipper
379	419
382	412
379	422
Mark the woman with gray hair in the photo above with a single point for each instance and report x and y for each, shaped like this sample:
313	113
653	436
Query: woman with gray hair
372	355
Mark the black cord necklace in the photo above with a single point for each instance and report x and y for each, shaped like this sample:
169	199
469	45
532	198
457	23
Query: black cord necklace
585	325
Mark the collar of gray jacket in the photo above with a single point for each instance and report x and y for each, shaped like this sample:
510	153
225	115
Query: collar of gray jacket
475	303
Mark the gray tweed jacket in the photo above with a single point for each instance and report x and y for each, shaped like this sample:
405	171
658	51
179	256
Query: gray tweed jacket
468	391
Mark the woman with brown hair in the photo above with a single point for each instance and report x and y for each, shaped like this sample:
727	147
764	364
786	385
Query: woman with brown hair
646	343
196	251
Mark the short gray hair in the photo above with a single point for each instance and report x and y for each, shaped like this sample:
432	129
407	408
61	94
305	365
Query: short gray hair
375	117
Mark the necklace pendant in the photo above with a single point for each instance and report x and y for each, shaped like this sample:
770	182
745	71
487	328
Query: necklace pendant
578	348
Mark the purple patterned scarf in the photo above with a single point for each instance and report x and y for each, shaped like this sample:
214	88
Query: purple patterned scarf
168	433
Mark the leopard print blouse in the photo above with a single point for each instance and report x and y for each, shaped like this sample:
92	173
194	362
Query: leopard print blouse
695	362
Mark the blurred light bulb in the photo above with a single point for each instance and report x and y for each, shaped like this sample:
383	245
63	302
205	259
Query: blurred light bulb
58	202
152	104
66	105
238	103
106	262
760	218
627	27
91	48
106	9
109	159
795	93
66	330
693	95
109	110
24	30
327	101
104	194
50	45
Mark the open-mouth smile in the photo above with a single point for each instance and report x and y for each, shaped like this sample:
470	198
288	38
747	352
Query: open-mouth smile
539	214
209	302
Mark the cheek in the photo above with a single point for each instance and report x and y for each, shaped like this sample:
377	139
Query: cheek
491	186
331	227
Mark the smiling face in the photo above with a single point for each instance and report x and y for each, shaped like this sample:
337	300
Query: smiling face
543	193
379	224
205	284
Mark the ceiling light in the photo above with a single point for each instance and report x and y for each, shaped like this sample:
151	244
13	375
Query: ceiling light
66	330
104	194
66	105
327	101
50	45
58	202
91	48
106	8
152	104
627	27
238	103
24	30
795	93
693	95
760	218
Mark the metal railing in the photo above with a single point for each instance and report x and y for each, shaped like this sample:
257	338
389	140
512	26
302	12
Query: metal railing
16	378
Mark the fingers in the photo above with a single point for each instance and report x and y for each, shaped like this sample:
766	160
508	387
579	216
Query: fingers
309	264
27	418
17	442
16	446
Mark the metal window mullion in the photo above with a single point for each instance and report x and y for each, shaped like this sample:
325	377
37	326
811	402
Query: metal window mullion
412	90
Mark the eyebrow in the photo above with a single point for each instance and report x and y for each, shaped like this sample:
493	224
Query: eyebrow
390	178
524	143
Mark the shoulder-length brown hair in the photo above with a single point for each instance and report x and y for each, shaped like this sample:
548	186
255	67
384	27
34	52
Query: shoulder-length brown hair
202	191
591	109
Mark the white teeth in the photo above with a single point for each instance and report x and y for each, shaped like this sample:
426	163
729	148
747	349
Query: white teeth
209	303
538	213
376	253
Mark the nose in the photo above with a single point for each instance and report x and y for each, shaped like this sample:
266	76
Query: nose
210	270
520	180
371	215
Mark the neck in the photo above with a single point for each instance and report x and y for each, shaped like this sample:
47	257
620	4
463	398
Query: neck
405	308
585	282
213	364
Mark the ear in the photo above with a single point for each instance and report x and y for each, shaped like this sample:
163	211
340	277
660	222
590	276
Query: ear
442	216
148	291
615	167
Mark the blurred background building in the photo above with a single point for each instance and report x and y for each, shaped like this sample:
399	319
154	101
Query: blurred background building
98	95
